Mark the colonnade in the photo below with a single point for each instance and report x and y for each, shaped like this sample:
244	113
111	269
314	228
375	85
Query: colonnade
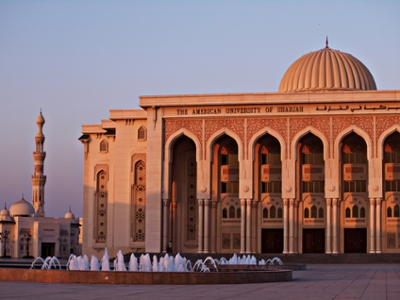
290	225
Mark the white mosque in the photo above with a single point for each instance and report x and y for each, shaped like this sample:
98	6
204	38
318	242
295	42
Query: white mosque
25	231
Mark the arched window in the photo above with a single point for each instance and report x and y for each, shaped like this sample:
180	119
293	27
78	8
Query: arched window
273	212
265	213
224	213
103	146
396	211
355	211
347	212
238	213
389	212
321	213
362	212
306	213
231	212
313	211
280	213
142	133
102	201
140	201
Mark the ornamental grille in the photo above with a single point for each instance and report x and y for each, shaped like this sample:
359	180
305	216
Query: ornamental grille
102	199
191	213
103	146
391	241
226	241
141	133
140	201
236	241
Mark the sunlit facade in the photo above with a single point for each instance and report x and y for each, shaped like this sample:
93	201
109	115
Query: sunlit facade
312	168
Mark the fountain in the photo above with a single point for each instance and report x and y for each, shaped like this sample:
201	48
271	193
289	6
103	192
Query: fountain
165	269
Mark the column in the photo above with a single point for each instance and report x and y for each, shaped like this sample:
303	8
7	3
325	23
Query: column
295	226
328	226
335	248
291	225
206	226
201	216
378	248
213	228
165	231
248	225
285	226
242	225
372	225
174	229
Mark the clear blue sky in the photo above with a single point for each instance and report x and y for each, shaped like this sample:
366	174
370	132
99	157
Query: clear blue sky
78	59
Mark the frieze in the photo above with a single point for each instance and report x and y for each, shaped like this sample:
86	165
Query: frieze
277	124
194	126
385	122
298	124
236	125
365	123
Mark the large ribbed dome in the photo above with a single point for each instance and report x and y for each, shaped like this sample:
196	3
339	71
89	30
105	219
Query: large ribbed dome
327	70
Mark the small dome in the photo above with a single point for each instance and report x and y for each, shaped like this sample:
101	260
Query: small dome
4	213
22	208
69	215
327	70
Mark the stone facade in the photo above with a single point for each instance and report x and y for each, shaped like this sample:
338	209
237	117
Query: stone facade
289	172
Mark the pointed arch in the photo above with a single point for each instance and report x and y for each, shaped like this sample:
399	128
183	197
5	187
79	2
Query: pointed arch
382	138
101	206
139	201
214	137
345	133
175	136
304	132
253	140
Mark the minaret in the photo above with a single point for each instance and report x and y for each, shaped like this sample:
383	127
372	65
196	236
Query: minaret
38	179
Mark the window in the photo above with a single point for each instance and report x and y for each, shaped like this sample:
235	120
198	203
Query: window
231	212
396	211
347	212
142	133
362	212
306	213
273	212
355	211
103	146
320	213
313	211
102	202
224	213
280	213
265	213
238	213
389	212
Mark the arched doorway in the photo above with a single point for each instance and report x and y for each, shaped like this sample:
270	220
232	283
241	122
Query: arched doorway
354	209
311	179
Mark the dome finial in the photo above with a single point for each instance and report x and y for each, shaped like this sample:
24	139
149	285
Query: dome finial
326	42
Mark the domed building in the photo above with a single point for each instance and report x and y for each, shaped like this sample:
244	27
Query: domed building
24	229
312	168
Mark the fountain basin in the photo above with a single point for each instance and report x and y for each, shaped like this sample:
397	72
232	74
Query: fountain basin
121	277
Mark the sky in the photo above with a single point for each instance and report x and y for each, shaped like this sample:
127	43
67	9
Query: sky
76	60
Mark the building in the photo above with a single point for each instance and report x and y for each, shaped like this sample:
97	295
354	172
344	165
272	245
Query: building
312	168
24	229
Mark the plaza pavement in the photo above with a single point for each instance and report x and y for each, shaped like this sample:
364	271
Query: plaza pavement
339	281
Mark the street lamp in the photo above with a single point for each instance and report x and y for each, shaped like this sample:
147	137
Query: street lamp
28	238
4	236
